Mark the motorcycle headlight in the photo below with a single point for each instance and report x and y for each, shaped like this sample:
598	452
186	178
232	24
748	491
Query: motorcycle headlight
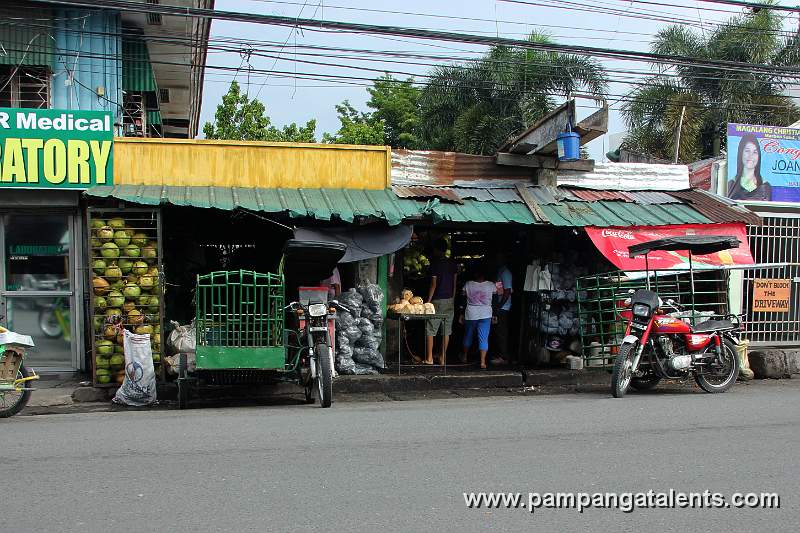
641	310
316	310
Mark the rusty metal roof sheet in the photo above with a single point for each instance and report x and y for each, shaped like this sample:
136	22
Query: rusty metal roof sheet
717	208
590	195
651	197
432	168
488	195
443	193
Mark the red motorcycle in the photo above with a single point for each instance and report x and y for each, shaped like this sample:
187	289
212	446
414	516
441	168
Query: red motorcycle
660	346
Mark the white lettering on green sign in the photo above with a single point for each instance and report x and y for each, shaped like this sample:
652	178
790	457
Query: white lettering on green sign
50	148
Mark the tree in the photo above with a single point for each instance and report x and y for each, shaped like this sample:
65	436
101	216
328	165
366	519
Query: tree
356	127
240	118
396	103
393	121
476	107
701	101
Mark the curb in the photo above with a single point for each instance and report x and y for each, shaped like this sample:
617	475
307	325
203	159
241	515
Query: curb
390	384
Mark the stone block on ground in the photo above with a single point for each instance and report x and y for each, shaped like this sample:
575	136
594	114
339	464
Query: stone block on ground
90	394
775	364
793	361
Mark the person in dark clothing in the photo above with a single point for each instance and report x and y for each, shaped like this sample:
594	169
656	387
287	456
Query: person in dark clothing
503	315
444	275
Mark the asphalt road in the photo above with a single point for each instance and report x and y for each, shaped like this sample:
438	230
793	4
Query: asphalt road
404	465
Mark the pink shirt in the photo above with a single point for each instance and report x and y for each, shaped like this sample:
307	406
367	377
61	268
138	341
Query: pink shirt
479	299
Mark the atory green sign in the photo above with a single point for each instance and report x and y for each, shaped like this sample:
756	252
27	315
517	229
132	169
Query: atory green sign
56	148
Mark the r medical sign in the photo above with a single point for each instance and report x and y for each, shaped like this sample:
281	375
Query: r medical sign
55	149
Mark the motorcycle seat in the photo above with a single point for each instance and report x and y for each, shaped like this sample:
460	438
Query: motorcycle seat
710	326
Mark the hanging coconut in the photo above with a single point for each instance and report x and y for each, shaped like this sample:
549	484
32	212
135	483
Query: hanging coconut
117	223
139	268
125	266
105	234
139	239
121	238
99	267
113	272
109	250
100	286
135	317
132	251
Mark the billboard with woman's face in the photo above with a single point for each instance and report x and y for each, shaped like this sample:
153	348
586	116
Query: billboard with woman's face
763	163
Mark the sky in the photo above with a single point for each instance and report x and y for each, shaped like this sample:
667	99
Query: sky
287	99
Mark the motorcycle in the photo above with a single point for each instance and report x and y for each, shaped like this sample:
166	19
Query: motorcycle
659	345
314	331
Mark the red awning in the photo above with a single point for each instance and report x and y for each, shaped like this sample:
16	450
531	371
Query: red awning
614	242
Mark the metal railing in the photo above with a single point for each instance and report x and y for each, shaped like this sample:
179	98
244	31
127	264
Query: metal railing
600	296
777	240
239	308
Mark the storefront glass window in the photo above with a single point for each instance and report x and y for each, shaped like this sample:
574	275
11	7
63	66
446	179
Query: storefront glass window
37	252
48	321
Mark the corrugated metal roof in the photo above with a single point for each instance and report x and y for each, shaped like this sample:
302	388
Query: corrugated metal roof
488	195
154	117
484	212
650	197
717	208
137	72
545	194
431	168
559	206
322	204
443	193
628	177
25	35
607	214
591	195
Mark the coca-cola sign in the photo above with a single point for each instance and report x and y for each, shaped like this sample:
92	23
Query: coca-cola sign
615	242
763	163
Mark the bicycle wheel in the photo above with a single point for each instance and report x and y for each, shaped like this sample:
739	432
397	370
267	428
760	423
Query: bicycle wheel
12	402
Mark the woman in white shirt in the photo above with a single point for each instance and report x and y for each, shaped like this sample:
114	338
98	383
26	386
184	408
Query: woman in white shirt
477	317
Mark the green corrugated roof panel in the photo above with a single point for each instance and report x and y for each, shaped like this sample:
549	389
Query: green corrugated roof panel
26	42
137	72
322	204
484	212
606	214
349	204
154	117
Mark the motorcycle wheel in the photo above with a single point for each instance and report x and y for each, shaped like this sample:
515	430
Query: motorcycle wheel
724	379
13	402
324	375
49	324
645	383
621	376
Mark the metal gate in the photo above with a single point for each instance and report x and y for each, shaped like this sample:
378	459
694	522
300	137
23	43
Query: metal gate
777	240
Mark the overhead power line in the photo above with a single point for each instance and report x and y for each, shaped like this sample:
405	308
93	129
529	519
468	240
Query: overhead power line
312	24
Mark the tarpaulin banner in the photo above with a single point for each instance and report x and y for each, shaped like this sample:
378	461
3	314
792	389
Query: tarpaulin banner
613	243
763	163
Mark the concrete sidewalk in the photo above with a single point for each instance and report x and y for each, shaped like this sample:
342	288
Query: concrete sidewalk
62	395
55	396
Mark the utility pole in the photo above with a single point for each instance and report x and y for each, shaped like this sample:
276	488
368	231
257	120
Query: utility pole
678	134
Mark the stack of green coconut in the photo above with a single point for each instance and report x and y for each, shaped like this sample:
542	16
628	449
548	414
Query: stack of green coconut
126	287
